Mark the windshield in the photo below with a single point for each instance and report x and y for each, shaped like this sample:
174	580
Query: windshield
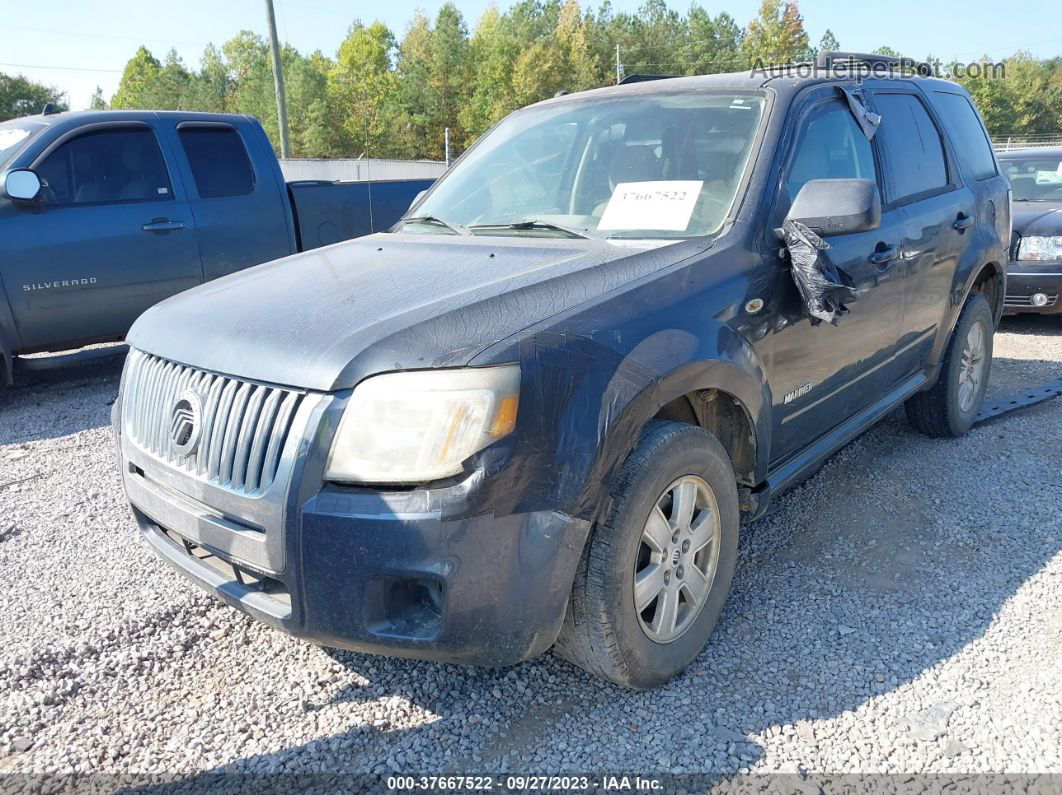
646	166
1034	179
13	135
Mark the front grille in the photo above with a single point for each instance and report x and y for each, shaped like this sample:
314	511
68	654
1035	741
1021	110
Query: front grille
242	426
1026	300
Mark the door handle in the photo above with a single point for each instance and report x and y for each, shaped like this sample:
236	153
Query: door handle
963	221
885	257
163	225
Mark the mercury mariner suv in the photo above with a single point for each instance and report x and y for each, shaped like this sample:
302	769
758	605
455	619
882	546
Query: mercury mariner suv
535	412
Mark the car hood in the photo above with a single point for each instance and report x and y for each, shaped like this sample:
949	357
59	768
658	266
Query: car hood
1037	218
327	318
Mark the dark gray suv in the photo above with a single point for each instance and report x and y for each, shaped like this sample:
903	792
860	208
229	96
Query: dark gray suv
534	413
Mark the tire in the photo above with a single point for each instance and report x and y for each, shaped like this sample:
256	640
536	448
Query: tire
603	631
948	409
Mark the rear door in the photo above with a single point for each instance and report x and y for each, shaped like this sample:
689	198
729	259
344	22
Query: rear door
241	212
939	215
823	374
113	236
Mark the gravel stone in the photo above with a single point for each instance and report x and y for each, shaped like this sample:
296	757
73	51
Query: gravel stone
912	584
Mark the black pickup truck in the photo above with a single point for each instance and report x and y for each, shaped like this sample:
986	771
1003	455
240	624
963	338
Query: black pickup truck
103	214
534	414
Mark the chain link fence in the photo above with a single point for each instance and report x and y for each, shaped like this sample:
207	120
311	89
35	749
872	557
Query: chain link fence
1008	143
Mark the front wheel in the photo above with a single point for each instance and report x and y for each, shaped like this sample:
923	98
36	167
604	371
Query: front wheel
656	571
952	405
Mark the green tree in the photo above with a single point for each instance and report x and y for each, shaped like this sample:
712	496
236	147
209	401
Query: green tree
211	87
1027	101
22	97
97	102
362	86
561	61
434	77
139	80
776	35
173	83
415	95
715	43
448	76
828	42
492	52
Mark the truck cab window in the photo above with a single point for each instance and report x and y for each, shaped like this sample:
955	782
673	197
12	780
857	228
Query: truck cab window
831	146
110	165
218	160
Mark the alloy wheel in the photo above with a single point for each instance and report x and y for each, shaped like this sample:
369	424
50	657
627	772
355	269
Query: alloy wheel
678	555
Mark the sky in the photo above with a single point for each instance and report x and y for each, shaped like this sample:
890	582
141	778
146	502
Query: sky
77	45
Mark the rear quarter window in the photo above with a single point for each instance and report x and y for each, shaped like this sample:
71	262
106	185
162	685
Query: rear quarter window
967	133
218	160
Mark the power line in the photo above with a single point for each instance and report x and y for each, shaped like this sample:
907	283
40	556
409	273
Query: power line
60	68
111	36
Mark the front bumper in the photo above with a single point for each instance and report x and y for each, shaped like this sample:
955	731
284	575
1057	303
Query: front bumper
381	572
1026	279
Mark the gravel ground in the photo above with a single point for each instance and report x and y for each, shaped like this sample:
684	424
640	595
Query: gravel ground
899	612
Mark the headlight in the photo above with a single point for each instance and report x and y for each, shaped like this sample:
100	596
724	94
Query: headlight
1042	249
415	427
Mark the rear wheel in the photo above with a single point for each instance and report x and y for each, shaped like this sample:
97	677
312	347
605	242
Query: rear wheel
952	405
656	571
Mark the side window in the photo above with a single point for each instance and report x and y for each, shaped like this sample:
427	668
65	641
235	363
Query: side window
831	146
967	134
111	165
218	160
912	143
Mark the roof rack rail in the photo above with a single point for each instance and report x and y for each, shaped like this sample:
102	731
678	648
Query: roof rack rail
643	78
827	60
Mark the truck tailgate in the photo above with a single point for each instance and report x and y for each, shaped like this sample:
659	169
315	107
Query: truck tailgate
328	212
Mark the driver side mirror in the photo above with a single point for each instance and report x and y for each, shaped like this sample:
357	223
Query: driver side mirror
417	198
838	206
22	185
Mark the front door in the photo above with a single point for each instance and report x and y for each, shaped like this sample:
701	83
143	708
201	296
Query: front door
109	240
822	374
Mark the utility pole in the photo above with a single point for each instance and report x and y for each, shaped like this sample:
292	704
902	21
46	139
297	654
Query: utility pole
446	142
278	80
619	67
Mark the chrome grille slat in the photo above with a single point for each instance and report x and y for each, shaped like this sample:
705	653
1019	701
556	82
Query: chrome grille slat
217	438
257	455
232	432
210	413
243	425
278	433
243	438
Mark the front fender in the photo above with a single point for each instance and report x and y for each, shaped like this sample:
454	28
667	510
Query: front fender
587	400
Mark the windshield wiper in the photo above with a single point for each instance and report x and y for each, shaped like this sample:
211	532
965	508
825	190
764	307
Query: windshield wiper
431	220
523	225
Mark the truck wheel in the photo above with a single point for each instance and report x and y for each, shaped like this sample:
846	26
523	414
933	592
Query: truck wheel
656	571
952	405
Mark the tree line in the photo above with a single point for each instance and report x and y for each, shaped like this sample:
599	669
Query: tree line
385	96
